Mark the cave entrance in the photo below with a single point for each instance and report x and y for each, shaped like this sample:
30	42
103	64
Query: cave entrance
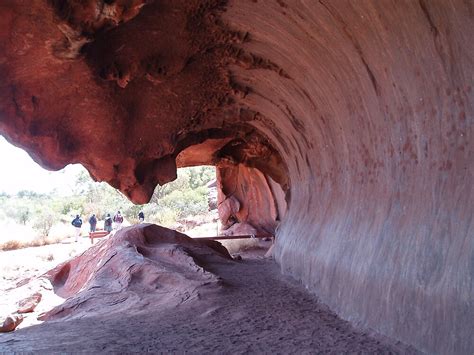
250	203
227	198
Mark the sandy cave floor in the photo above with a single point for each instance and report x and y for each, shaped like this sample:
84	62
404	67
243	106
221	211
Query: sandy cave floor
258	311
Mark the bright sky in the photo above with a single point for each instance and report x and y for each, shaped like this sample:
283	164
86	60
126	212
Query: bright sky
19	172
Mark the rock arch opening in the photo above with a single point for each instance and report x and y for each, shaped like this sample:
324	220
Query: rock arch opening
251	181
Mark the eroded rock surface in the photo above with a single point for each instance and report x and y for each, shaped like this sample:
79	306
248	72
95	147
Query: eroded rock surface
249	198
240	228
121	87
138	267
362	111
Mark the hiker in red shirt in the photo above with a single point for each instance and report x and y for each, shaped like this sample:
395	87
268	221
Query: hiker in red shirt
118	219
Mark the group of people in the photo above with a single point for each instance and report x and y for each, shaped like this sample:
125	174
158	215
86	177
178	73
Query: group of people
110	223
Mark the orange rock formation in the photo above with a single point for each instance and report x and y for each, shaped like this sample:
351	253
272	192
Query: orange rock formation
360	111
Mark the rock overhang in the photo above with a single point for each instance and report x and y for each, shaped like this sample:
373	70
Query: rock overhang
121	87
363	111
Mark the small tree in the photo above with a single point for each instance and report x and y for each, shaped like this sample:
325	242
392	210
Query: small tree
18	211
44	221
23	214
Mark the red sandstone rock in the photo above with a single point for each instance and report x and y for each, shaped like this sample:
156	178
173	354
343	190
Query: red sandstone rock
361	110
247	195
227	210
140	266
125	109
216	246
29	304
10	323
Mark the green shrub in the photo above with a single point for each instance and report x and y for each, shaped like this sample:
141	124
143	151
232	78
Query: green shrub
166	217
186	203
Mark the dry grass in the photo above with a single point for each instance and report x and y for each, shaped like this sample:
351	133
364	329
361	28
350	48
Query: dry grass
19	244
15	236
204	230
11	245
73	252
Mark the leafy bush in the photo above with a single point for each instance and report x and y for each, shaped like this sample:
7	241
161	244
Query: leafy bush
166	217
186	203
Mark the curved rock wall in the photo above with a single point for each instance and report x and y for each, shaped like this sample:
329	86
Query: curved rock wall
374	118
361	110
247	195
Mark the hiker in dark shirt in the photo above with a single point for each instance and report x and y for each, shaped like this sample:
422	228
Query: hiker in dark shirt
141	216
77	223
93	223
108	223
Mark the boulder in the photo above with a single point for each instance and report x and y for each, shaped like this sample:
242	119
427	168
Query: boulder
10	323
29	304
140	266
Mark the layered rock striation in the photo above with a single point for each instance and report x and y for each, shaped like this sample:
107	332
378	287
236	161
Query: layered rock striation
137	268
362	113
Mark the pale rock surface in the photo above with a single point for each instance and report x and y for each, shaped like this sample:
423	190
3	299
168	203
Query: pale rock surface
240	229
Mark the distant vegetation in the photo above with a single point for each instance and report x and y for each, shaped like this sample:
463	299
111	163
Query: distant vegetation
48	216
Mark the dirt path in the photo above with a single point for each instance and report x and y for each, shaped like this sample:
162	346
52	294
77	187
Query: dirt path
258	311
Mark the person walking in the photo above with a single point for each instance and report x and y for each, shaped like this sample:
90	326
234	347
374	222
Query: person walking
108	223
77	223
141	216
93	223
118	219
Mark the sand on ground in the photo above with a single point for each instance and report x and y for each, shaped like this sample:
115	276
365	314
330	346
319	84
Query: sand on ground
19	265
258	311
